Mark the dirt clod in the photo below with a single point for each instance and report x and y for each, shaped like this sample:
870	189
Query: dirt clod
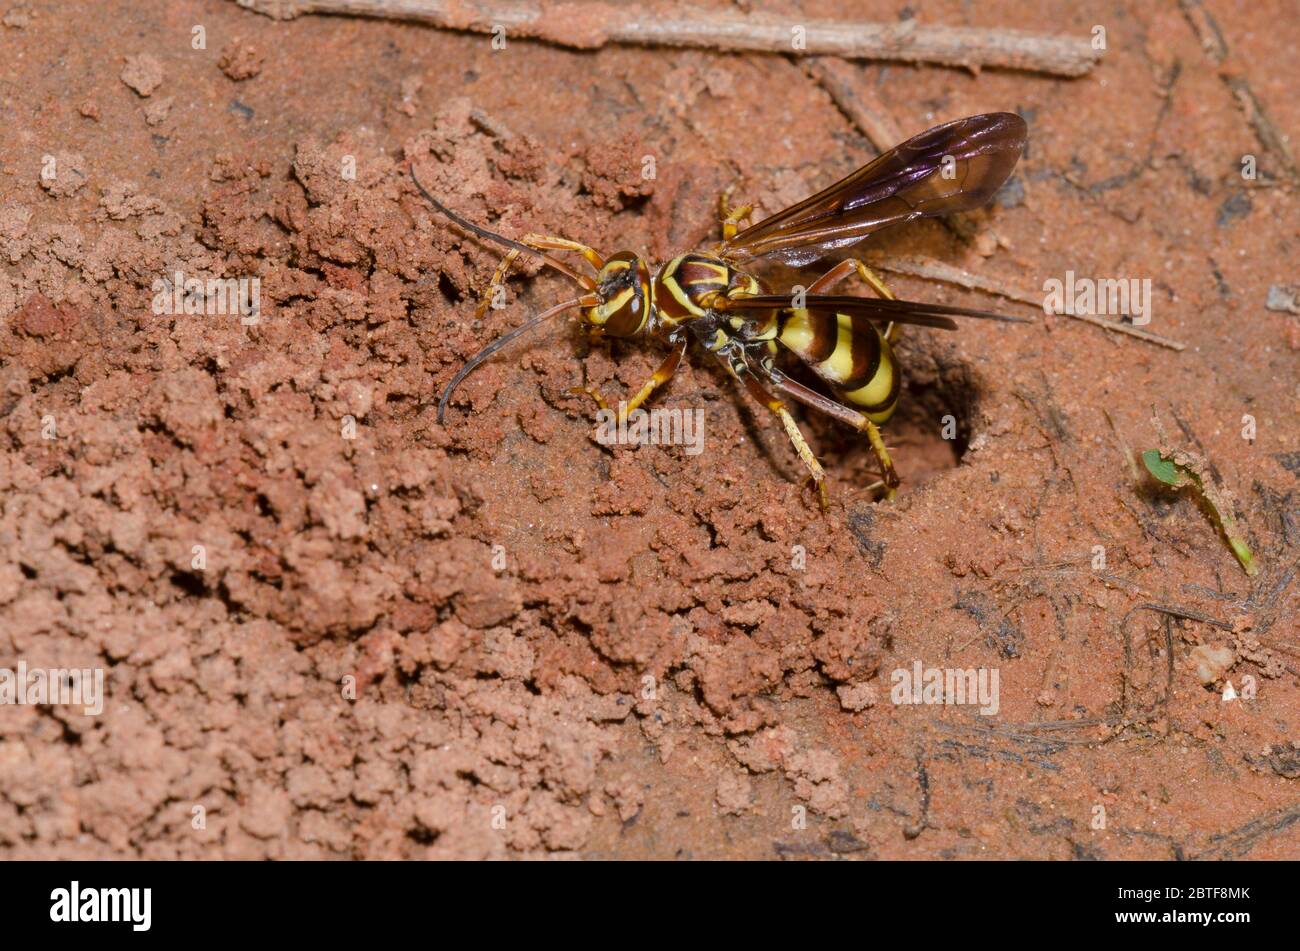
241	60
143	73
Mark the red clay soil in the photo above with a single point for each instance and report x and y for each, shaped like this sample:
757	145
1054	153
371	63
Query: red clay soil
499	638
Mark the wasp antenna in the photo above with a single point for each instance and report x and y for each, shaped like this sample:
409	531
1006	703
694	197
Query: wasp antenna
503	341
500	239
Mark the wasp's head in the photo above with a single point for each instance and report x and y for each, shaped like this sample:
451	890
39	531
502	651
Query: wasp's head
623	287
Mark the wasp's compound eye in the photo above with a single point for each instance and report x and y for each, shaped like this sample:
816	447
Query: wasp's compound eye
622	288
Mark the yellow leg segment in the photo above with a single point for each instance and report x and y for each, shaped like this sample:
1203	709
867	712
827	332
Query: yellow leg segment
542	242
815	471
741	371
732	217
882	453
661	376
873	280
800	393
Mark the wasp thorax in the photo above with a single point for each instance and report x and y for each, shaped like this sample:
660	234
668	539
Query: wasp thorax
623	287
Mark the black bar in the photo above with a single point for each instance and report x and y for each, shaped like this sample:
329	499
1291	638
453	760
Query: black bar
974	901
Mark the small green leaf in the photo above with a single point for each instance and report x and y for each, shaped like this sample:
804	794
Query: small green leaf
1171	473
1166	470
1244	556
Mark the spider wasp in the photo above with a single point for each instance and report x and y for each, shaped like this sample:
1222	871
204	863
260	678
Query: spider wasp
708	296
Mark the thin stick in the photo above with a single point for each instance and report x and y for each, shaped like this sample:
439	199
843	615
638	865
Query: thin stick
1042	725
933	270
1206	29
856	100
590	25
1264	128
1051	567
1132	331
1189	615
1128	453
1216	48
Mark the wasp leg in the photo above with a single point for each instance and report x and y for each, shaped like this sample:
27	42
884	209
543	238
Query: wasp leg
815	472
589	391
541	242
661	376
740	369
842	270
732	217
800	393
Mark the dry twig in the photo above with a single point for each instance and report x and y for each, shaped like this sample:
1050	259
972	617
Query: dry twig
933	270
590	25
1208	32
856	101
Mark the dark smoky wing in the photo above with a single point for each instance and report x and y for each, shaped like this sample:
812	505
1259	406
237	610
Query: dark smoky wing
875	310
952	167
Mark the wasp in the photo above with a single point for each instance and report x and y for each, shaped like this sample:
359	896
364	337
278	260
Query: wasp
712	297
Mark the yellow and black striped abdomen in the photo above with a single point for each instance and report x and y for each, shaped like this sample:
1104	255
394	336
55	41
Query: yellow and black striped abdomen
849	353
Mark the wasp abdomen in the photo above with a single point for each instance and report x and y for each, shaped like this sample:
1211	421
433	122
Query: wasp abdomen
847	352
